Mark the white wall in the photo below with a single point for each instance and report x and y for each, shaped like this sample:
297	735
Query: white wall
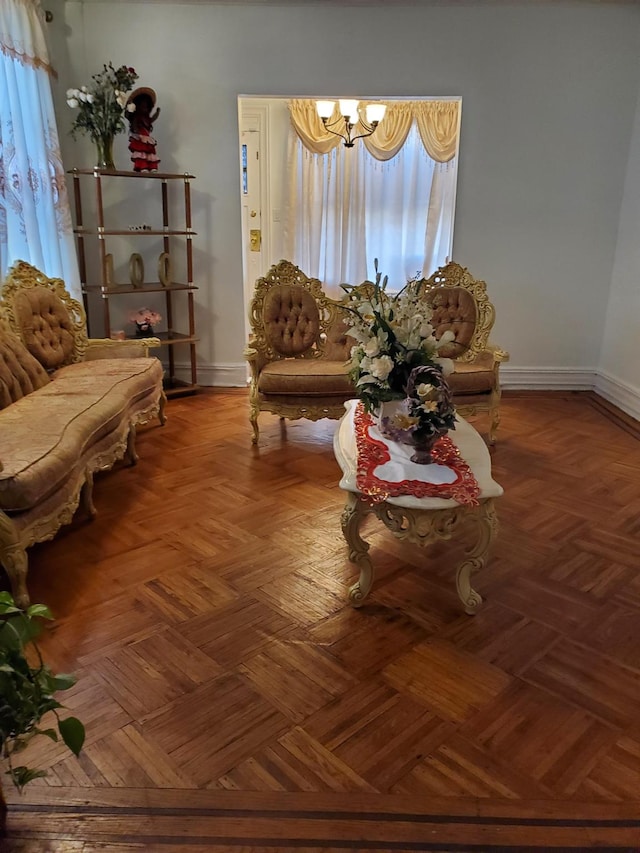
548	93
619	369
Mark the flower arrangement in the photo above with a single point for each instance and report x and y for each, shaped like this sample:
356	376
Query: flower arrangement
396	358
145	319
102	105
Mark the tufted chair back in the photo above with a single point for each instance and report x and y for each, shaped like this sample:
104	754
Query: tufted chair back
45	326
291	319
20	372
454	309
459	304
40	311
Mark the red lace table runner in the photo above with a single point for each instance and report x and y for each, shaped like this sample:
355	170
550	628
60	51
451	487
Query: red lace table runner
374	452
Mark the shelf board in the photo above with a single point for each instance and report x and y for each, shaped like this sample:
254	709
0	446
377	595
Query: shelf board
177	388
167	338
122	173
108	232
148	287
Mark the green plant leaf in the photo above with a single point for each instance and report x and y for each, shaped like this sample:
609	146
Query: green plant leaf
72	733
63	681
50	733
22	775
39	610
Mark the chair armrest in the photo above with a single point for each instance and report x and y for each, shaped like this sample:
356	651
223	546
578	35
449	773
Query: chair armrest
106	348
256	360
499	355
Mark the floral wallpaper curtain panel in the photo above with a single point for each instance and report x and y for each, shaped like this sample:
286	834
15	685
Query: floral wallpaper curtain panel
35	221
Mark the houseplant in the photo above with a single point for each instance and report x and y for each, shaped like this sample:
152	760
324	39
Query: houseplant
145	319
395	365
27	688
101	107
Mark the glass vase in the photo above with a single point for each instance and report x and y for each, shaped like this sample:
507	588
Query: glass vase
104	151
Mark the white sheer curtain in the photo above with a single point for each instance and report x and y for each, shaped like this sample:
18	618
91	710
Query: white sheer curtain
346	208
35	221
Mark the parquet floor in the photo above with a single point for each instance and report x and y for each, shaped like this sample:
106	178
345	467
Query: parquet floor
234	701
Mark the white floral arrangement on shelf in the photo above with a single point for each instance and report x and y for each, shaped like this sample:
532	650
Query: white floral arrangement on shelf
101	105
396	356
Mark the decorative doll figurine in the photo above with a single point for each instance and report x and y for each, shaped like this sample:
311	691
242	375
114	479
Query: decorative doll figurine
141	118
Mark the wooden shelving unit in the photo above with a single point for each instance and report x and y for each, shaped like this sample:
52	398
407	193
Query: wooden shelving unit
105	289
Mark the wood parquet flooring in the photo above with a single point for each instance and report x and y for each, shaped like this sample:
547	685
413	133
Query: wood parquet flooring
234	701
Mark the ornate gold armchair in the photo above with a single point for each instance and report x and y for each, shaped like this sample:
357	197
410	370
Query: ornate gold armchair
298	349
460	304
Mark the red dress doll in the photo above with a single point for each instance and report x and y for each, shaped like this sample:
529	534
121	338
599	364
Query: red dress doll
141	144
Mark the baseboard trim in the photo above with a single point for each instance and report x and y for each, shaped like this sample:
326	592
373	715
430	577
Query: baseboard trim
621	394
547	378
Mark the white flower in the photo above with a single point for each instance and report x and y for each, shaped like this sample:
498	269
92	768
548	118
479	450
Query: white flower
446	364
70	93
423	390
131	108
81	96
426	329
429	406
447	337
83	89
381	367
372	348
90	99
73	103
121	98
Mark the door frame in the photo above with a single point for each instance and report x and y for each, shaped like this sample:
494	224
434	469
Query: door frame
250	110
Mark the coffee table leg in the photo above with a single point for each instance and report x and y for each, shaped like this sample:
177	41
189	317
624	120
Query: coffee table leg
352	515
486	522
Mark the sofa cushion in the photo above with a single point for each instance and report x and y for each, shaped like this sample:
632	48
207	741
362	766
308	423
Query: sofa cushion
45	326
311	377
43	435
471	378
20	372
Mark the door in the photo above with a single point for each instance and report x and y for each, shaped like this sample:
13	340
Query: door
250	189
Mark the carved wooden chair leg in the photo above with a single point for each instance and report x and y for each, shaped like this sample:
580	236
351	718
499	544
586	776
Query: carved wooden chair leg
485	521
86	496
353	513
13	558
161	413
132	456
253	417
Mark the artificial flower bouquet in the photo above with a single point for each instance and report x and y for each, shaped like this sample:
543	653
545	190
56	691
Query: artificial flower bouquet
144	318
396	358
101	105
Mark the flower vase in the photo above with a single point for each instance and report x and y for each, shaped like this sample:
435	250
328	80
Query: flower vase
104	152
144	330
394	423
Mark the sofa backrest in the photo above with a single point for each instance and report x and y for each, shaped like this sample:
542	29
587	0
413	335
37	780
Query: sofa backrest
20	372
40	311
291	316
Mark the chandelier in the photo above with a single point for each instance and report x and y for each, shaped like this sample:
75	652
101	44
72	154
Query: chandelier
350	115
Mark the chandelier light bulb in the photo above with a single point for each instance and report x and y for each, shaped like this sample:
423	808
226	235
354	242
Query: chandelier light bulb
349	109
375	113
325	108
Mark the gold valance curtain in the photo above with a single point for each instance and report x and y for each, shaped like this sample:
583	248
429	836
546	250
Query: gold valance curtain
437	124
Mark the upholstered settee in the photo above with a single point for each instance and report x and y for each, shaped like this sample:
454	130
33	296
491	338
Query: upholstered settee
298	349
69	407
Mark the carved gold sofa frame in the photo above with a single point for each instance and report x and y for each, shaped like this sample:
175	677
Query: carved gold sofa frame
298	349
